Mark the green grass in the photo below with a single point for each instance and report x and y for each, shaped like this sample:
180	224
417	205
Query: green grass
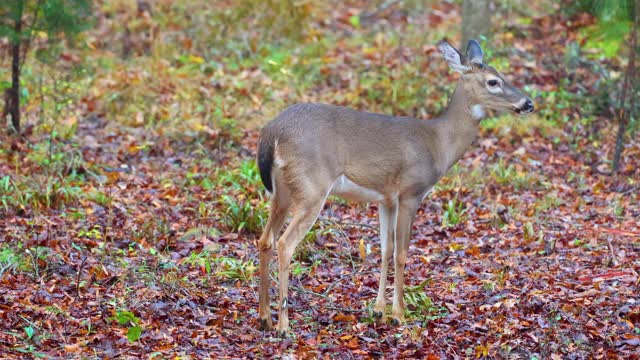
10	260
230	269
299	269
100	197
15	259
57	183
242	201
307	250
243	214
198	232
168	86
203	80
616	208
201	259
245	175
501	214
454	212
420	307
549	201
94	232
39	260
508	125
511	175
223	268
460	176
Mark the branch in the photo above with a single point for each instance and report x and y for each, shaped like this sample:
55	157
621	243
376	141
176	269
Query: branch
27	43
629	77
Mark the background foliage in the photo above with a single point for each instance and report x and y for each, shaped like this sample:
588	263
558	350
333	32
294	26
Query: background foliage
130	202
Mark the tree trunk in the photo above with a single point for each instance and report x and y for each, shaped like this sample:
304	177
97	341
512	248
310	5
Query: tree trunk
12	102
476	20
623	115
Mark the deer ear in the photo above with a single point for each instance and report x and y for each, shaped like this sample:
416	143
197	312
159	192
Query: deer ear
453	57
474	52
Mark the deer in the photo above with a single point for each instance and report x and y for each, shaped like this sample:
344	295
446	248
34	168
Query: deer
311	151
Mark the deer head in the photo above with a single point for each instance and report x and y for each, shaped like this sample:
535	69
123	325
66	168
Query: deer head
484	84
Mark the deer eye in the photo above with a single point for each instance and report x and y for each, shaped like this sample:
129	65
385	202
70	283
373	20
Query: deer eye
492	82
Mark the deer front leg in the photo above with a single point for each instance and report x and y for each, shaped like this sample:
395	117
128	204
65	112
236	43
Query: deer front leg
406	212
387	227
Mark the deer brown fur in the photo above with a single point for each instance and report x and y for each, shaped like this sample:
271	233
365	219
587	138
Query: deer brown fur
312	150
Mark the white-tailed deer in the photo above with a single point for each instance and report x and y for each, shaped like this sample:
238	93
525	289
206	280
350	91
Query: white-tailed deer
312	150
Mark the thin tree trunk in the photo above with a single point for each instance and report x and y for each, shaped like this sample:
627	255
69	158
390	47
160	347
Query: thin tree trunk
13	100
623	115
476	20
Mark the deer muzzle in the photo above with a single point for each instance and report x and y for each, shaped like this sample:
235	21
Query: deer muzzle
527	107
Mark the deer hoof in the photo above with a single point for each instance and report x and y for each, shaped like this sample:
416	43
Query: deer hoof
378	315
396	321
282	334
265	324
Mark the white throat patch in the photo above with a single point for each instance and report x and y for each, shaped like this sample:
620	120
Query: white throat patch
477	111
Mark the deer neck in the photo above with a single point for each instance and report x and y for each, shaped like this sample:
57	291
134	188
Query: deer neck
456	128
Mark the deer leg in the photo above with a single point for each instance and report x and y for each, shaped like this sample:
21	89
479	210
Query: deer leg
387	227
406	212
276	220
303	218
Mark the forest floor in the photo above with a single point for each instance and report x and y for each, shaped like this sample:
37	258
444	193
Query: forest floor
127	235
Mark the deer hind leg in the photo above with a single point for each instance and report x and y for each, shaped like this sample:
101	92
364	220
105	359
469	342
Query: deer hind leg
277	217
387	216
406	212
305	213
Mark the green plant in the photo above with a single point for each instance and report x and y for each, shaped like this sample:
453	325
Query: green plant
200	259
127	318
7	192
235	269
240	178
501	173
248	173
172	282
489	285
39	192
5	185
578	179
454	213
616	208
420	307
452	287
298	269
528	232
100	197
548	202
242	214
229	128
39	260
505	175
307	250
614	23
29	331
199	232
30	337
9	260
93	233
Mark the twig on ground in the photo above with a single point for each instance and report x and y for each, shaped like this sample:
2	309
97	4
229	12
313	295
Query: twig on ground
84	260
613	255
629	191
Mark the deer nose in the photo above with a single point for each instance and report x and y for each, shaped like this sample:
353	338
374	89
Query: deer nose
528	106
